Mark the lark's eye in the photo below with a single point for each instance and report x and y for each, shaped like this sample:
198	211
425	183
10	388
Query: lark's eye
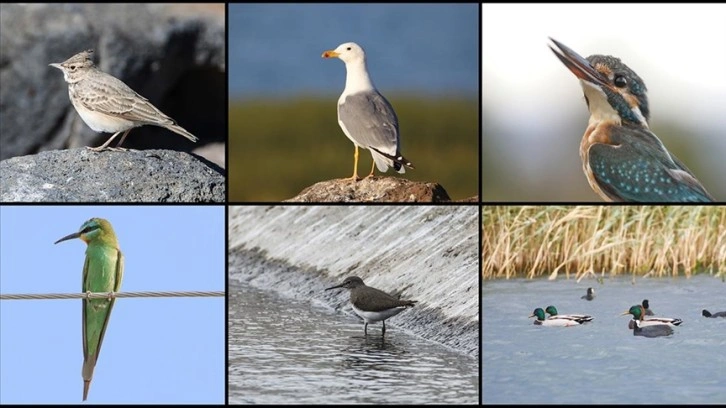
621	81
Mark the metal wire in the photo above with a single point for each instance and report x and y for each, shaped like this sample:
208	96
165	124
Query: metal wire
109	295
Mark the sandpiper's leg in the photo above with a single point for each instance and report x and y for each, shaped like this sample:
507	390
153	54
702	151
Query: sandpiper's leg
384	328
365	328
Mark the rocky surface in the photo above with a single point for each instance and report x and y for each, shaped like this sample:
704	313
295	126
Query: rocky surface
81	175
427	253
373	189
174	55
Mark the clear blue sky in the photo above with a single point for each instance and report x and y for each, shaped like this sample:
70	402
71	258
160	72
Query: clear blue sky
156	350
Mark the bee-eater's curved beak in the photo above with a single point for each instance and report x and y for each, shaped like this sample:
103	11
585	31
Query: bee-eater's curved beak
578	65
67	237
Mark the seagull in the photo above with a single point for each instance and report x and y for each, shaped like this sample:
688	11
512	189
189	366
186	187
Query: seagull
365	116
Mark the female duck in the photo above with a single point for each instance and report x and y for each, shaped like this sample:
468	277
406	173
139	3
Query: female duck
590	294
706	313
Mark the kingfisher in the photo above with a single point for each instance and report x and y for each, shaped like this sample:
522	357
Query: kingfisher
624	161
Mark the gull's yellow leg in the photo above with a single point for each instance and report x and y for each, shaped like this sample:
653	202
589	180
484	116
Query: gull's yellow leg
355	165
373	169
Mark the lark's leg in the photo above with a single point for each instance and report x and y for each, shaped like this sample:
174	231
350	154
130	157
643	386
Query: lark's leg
105	145
123	138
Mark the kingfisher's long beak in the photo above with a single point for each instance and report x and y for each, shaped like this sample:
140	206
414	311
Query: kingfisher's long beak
67	237
578	65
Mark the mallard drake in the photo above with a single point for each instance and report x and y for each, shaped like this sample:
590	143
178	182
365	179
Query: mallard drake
577	317
590	294
541	321
646	306
637	312
654	330
706	313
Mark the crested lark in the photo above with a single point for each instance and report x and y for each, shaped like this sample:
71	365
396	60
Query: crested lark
108	105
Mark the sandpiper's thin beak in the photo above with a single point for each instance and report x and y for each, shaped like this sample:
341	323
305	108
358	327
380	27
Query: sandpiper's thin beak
336	287
330	54
67	237
578	65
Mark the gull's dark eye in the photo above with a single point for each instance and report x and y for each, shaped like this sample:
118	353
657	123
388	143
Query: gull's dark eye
621	81
348	48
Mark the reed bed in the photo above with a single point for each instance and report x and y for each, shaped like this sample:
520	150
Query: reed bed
598	241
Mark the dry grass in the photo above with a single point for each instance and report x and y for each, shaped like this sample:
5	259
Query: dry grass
531	241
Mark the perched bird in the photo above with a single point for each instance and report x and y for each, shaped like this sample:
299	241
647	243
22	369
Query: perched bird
590	294
706	313
657	330
646	307
372	304
103	271
637	312
621	157
552	311
365	116
106	104
558	322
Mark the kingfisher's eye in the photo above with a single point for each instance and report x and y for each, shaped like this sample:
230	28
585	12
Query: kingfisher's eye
620	81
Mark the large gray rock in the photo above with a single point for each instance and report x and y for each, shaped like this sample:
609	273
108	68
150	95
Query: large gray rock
174	55
81	175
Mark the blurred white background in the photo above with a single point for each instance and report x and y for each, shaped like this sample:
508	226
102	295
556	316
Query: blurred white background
534	113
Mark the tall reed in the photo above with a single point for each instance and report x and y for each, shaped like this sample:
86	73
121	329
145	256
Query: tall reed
532	241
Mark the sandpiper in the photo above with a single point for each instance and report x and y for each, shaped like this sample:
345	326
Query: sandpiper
372	304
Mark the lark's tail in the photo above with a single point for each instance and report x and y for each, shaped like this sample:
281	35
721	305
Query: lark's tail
180	130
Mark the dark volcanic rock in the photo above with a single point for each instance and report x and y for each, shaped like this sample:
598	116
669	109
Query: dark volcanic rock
373	189
81	175
173	55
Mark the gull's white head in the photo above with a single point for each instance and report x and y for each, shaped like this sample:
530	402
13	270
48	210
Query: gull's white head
347	52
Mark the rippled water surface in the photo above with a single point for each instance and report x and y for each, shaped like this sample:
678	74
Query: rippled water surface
602	362
284	351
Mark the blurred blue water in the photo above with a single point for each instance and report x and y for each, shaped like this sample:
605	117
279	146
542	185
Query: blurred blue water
275	49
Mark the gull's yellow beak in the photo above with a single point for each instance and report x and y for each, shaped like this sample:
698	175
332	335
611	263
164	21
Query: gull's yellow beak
330	54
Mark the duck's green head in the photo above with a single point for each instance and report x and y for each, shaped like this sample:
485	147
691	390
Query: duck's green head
551	310
539	313
636	311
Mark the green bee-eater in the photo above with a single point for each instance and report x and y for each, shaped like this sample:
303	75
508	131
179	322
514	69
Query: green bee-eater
102	272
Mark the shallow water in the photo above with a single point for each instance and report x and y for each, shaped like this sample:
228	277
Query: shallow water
601	361
284	350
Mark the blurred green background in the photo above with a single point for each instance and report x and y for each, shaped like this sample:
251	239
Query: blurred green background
279	146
